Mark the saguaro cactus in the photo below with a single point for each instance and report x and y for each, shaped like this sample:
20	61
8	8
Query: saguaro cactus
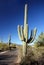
23	33
9	41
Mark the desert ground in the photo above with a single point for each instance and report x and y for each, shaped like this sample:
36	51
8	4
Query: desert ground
9	58
35	56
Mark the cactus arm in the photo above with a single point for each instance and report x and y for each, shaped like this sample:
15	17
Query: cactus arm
32	36
20	33
35	30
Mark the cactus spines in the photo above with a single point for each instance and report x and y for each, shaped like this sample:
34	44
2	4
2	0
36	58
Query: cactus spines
23	33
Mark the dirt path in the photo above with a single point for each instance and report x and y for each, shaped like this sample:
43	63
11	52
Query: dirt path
9	58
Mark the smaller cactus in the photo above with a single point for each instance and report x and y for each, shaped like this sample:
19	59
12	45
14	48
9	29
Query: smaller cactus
9	42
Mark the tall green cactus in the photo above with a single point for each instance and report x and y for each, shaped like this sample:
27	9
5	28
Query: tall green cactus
9	41
23	33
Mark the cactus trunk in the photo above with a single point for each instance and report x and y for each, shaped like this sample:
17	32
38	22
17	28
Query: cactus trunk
25	32
24	49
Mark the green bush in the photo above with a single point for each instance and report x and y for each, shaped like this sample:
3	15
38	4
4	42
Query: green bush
40	40
13	45
4	46
36	44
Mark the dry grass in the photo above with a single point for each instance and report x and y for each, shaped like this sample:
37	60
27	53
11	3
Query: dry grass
34	54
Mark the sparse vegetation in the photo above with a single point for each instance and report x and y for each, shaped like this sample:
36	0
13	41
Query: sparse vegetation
5	46
35	56
40	40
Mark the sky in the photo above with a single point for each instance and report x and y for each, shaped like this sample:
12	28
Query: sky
12	15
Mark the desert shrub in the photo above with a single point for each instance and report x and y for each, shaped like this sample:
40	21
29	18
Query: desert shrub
40	40
36	44
34	54
0	45
4	46
13	45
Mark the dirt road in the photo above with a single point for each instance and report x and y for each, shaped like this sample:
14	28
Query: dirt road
9	58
